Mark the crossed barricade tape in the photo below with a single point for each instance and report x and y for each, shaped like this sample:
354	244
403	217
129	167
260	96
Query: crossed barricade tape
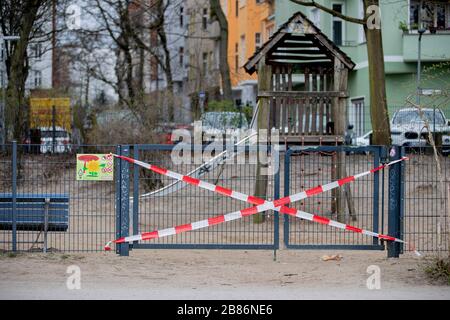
260	205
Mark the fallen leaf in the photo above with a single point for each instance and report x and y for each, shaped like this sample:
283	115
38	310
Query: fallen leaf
335	257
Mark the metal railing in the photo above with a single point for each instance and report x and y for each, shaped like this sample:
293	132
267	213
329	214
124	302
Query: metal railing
93	204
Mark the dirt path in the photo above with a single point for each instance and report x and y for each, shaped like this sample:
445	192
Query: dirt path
208	274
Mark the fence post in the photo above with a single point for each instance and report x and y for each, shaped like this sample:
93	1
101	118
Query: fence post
276	195
14	196
287	169
124	200
135	227
395	202
117	164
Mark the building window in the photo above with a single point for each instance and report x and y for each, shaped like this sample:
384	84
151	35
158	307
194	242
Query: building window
181	56
181	16
205	19
259	1
236	57
36	51
338	26
257	40
237	8
37	79
356	116
361	34
205	61
211	60
414	14
315	17
243	52
153	69
434	15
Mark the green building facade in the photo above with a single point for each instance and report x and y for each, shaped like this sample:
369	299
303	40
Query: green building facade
399	21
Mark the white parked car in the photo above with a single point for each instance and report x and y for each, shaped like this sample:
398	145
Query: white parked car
408	128
62	140
226	125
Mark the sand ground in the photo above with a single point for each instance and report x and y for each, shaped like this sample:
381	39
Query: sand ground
216	274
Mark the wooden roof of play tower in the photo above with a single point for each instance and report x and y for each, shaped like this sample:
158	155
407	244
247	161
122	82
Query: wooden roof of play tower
298	41
302	84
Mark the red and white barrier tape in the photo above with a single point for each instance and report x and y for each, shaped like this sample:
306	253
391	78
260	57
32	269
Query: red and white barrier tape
261	205
251	199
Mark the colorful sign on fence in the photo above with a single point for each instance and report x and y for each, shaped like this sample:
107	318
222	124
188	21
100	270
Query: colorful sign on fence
95	167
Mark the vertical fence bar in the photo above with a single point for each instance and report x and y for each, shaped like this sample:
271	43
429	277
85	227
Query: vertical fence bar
135	229
376	195
276	195
402	198
14	196
395	198
384	159
124	200
287	168
118	163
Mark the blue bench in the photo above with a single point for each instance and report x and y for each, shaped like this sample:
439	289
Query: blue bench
35	212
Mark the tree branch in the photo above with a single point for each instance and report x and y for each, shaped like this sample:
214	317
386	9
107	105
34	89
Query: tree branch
330	11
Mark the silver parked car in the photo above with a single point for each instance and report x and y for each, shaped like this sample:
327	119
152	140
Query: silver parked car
408	128
225	125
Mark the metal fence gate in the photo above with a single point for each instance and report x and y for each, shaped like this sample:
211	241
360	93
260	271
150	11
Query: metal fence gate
148	201
145	201
363	203
157	202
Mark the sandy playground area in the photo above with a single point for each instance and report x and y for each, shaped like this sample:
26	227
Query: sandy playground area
215	274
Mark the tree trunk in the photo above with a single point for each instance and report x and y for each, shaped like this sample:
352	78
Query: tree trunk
166	67
216	10
448	221
378	104
18	73
168	73
129	77
375	56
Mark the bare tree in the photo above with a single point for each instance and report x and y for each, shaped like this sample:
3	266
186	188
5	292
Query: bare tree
375	56
152	20
26	20
217	13
128	26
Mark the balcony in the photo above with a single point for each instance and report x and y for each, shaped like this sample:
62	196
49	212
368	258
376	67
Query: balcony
435	47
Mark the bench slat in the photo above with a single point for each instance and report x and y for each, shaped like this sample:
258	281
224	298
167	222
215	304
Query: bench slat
31	226
34	205
53	214
24	197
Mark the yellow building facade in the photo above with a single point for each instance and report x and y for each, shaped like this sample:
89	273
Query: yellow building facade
250	24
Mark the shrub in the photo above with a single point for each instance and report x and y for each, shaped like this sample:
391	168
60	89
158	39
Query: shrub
439	269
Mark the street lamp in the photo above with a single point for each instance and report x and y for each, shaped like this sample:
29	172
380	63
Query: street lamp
3	122
421	31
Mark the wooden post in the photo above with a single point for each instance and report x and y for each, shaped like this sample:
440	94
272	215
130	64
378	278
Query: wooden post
338	116
264	84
